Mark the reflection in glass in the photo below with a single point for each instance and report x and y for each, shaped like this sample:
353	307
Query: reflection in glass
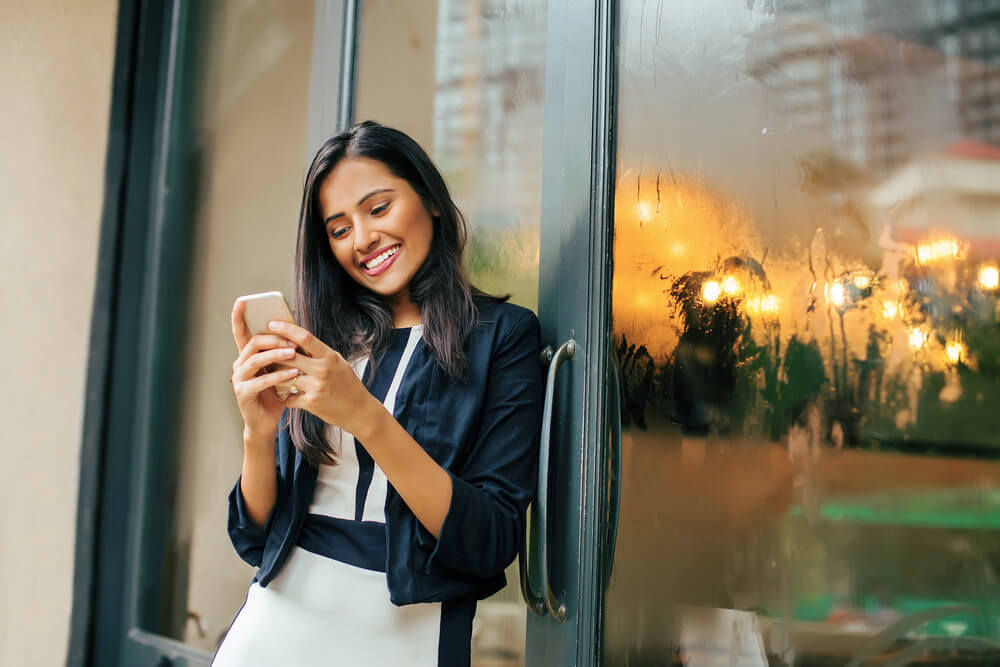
807	325
250	71
471	93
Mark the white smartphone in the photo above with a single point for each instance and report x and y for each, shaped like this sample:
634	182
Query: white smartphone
258	311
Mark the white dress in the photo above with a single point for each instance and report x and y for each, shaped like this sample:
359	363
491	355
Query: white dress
332	607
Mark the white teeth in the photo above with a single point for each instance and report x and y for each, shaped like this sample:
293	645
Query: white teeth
373	263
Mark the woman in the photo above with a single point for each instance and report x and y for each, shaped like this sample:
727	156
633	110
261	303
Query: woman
387	495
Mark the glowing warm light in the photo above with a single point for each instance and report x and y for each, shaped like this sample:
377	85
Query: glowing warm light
645	211
677	248
711	291
989	277
917	338
836	294
890	309
767	304
642	300
937	250
955	351
862	281
731	286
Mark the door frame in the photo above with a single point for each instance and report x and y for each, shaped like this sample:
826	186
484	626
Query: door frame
578	173
128	467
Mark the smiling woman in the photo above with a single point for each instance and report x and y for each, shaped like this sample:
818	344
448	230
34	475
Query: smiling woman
376	523
389	226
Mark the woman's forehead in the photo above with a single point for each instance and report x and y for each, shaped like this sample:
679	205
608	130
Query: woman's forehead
353	178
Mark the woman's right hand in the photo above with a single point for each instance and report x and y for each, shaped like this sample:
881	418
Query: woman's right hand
253	385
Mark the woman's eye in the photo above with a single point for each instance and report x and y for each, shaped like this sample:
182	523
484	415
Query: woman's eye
380	209
338	232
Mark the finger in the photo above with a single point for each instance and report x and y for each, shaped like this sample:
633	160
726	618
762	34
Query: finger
308	343
308	365
240	332
257	362
255	385
259	343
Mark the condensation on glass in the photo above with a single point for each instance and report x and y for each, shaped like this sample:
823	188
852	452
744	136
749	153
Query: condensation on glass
465	78
807	266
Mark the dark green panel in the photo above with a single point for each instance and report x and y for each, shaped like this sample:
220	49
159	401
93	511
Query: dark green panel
574	298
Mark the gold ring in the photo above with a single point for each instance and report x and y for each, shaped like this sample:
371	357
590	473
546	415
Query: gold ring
292	389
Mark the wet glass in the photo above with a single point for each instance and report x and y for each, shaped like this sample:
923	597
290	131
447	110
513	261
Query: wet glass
807	331
465	79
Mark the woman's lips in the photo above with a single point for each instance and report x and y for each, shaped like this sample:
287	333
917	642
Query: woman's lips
384	265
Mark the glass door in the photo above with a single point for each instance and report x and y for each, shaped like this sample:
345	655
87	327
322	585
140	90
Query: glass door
484	89
806	328
238	96
499	93
466	80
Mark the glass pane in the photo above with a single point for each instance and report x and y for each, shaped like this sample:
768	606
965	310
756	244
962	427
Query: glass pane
246	155
807	326
465	80
471	95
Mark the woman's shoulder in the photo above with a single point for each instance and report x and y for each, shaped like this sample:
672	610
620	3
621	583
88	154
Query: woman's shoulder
503	316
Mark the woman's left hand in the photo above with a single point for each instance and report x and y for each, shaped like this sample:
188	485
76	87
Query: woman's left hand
327	384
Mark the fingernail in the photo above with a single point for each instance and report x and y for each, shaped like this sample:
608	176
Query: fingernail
289	353
288	343
274	325
293	371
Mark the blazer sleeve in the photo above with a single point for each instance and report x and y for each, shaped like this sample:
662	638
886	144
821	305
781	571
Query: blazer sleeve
484	526
248	539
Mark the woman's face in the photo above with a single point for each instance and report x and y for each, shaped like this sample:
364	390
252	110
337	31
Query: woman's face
378	228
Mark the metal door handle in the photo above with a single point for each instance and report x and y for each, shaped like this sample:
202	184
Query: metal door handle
615	474
534	601
536	605
566	352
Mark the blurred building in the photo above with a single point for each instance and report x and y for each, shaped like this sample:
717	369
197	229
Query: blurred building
489	80
870	74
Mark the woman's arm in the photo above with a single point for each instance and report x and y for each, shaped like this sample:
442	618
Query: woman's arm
330	389
478	518
423	485
261	409
259	481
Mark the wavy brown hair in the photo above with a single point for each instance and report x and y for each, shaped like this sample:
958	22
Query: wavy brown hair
352	319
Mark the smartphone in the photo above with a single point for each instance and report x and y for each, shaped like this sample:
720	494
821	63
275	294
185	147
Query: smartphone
258	311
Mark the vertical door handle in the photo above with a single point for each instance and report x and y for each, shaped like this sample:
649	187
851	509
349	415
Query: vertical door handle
566	352
615	473
535	603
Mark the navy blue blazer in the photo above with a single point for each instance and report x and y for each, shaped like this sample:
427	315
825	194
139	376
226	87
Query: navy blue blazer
484	432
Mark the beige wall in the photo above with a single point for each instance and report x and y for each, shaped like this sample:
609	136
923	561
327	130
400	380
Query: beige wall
56	81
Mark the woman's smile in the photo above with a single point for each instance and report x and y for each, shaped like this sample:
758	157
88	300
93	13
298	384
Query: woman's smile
381	260
379	229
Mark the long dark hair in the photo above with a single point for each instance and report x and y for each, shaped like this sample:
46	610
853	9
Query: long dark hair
355	321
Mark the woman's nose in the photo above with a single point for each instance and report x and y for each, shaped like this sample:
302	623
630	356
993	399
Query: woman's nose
366	239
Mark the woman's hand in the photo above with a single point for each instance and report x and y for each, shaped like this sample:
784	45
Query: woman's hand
327	384
259	404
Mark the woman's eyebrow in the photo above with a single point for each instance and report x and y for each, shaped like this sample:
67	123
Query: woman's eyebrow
360	202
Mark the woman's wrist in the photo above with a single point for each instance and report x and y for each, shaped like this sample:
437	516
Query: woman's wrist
256	443
370	421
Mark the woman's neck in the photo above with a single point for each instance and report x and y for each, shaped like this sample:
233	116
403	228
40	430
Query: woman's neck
405	314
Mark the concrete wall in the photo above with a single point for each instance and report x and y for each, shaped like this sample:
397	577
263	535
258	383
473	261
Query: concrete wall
56	81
